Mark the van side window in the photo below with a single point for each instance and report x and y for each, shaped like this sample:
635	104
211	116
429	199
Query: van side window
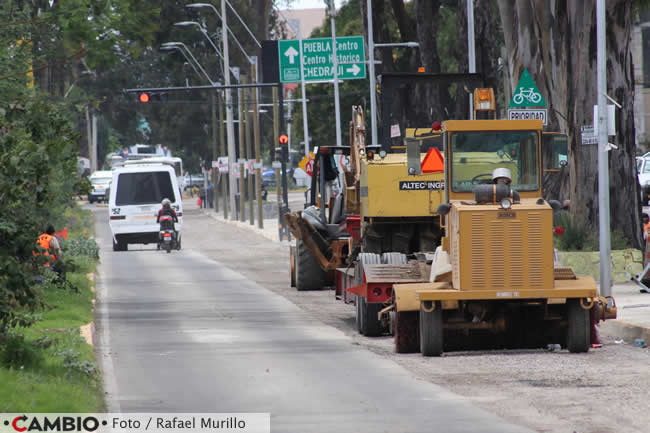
144	188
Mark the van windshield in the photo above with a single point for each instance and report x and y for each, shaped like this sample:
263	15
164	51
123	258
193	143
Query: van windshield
144	188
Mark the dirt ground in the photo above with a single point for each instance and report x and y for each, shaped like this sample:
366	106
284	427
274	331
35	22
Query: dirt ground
604	390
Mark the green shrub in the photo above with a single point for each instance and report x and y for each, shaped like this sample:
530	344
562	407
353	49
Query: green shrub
575	236
578	237
81	247
17	353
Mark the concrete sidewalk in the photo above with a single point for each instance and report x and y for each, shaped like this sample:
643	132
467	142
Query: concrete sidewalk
633	306
633	314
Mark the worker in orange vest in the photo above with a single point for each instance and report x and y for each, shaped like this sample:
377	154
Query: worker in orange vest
50	244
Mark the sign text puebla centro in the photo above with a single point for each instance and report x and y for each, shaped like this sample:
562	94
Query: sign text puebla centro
318	61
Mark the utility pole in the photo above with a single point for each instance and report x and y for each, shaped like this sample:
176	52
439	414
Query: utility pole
258	152
276	135
335	62
232	153
222	148
603	155
93	153
283	156
215	170
242	154
371	71
249	154
471	52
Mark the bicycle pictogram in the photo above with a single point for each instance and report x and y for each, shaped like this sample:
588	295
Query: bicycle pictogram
529	94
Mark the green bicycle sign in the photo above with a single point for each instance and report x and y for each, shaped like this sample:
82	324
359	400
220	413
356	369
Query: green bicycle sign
527	94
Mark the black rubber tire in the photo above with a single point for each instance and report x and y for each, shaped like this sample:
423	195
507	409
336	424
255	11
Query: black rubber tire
120	246
431	331
578	337
371	325
309	275
359	317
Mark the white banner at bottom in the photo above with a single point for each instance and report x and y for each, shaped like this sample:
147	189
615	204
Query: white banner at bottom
136	422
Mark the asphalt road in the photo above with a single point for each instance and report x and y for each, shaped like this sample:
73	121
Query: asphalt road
187	332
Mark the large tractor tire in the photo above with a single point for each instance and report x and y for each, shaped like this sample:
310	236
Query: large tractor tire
578	337
309	275
431	329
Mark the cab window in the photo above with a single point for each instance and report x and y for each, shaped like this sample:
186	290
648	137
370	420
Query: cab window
475	154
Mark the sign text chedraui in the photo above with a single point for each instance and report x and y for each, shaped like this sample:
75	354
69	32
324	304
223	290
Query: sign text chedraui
318	60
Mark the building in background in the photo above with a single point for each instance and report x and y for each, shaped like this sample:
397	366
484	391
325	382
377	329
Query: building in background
306	20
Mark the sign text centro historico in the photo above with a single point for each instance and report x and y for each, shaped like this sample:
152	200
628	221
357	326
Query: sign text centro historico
318	60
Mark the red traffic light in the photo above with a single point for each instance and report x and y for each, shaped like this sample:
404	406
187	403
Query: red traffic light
283	139
144	97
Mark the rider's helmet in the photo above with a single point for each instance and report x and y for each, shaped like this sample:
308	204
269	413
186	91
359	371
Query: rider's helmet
166	203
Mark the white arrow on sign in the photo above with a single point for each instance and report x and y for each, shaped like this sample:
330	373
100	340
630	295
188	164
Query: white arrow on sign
291	53
354	69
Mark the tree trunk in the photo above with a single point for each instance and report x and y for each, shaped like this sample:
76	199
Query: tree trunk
555	41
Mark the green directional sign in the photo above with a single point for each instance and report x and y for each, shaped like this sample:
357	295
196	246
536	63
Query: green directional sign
527	94
318	60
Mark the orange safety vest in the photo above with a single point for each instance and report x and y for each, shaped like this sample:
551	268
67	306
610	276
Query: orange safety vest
646	229
44	242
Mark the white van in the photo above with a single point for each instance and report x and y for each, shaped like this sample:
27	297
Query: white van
100	181
135	198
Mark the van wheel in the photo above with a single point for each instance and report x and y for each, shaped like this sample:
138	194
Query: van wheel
120	246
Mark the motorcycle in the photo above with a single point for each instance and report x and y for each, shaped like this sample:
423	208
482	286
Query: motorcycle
167	237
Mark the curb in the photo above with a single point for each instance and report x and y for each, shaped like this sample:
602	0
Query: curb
627	331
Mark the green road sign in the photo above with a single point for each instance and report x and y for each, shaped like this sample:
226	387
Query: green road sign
527	94
318	61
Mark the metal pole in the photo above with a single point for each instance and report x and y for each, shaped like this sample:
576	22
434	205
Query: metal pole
276	134
305	123
284	156
258	151
229	120
471	50
335	62
249	156
603	156
215	170
93	154
373	78
242	155
222	144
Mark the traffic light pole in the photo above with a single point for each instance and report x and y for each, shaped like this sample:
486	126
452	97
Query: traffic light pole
284	154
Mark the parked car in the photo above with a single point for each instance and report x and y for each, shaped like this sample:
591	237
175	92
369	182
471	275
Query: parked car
268	176
100	181
192	180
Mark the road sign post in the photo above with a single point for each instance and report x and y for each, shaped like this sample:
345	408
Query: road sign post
317	59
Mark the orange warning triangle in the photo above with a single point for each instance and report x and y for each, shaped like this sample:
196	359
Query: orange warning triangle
433	162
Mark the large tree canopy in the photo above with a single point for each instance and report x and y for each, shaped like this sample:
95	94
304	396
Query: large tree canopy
556	42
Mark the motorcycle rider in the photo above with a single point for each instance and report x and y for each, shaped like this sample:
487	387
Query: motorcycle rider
168	210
